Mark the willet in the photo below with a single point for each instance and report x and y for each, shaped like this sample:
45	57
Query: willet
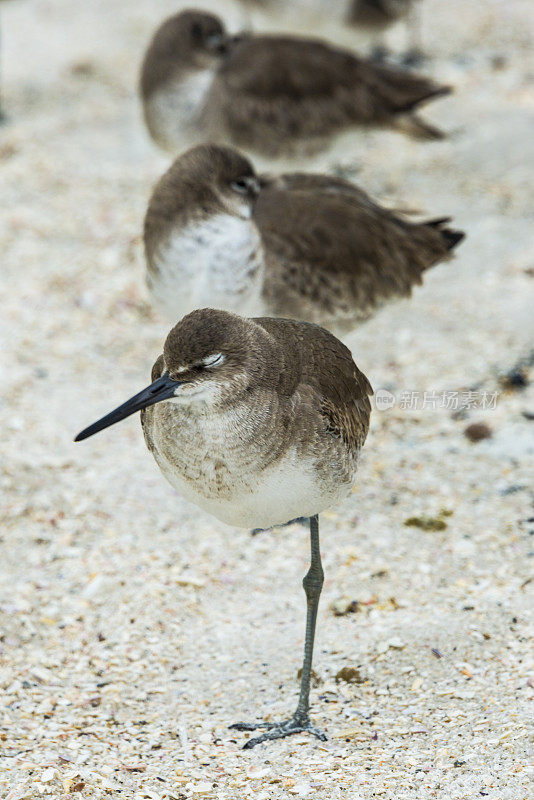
257	421
276	95
305	246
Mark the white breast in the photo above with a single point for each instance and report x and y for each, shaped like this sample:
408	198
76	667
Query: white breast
288	489
215	263
172	112
224	462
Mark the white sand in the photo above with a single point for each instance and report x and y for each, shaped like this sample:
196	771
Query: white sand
134	628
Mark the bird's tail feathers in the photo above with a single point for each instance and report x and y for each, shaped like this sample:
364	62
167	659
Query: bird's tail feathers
450	237
417	127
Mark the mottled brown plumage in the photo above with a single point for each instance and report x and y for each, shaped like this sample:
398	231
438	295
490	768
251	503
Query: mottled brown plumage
339	251
250	403
295	360
313	247
312	356
272	94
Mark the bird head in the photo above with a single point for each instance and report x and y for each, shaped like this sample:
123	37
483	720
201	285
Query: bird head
209	358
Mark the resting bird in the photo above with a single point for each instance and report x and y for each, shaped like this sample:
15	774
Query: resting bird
257	421
275	95
313	247
376	16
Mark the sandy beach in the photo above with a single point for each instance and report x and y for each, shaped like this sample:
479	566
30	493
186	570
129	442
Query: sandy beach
134	628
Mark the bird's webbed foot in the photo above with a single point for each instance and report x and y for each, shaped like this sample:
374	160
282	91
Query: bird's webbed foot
277	730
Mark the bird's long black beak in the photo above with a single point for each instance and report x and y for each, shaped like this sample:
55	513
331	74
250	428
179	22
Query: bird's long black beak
161	389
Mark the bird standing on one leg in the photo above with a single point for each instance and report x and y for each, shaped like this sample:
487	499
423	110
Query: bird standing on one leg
300	721
257	421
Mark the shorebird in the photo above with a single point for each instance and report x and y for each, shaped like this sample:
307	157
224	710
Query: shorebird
372	17
257	421
277	95
306	246
376	16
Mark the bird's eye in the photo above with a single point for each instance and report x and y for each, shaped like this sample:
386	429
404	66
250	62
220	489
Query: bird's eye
241	185
212	361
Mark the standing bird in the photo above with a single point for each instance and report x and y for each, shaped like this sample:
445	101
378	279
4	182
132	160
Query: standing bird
257	421
277	95
312	247
371	16
375	16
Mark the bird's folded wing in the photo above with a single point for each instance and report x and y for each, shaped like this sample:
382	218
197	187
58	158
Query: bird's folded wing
333	231
319	361
267	66
311	182
268	74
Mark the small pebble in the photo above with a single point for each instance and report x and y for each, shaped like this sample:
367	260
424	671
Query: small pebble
498	61
349	675
426	523
478	431
516	378
345	605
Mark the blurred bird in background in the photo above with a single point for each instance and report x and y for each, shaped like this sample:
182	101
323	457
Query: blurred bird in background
372	17
376	16
274	95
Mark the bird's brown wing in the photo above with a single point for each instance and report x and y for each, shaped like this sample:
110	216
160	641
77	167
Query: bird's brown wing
315	182
305	88
318	360
289	65
338	249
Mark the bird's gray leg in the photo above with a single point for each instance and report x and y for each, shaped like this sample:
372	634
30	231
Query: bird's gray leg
414	55
313	584
300	721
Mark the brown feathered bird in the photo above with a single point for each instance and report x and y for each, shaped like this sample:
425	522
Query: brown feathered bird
371	16
313	247
257	421
276	95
